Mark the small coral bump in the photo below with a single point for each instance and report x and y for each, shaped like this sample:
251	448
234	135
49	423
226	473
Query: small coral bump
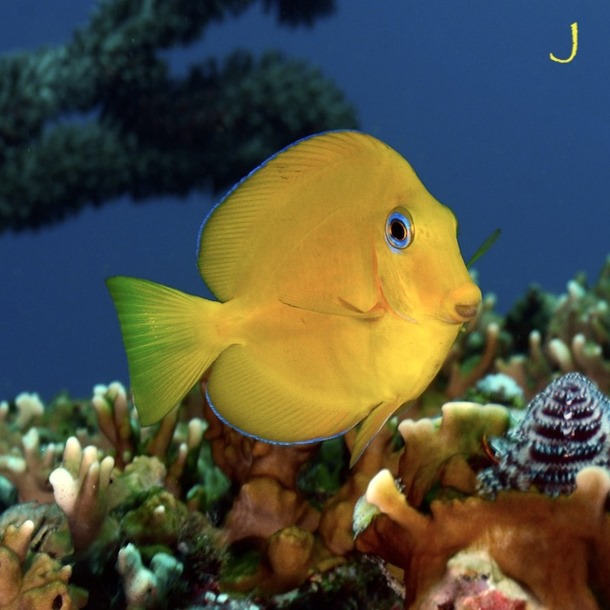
18	538
575	290
146	588
29	407
196	429
112	409
290	552
561	355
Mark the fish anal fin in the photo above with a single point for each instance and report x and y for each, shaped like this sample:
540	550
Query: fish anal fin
370	427
249	392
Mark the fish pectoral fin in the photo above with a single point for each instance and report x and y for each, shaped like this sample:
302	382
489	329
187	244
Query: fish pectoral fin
340	307
370	427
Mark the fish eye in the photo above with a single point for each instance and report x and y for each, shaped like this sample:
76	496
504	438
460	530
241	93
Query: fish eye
399	229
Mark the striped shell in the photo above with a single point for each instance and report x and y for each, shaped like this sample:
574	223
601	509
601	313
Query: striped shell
565	428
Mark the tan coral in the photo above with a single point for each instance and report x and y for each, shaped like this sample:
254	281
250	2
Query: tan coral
33	580
437	449
290	553
547	545
28	467
263	506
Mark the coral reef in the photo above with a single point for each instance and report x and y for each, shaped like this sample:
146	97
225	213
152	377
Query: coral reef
550	547
140	130
480	502
430	518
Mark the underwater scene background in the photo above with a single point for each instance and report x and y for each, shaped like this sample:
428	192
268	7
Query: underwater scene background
484	495
465	91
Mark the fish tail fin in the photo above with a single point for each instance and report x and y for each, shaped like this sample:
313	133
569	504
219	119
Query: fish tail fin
369	428
170	338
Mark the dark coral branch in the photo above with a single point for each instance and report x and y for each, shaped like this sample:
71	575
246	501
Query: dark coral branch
100	116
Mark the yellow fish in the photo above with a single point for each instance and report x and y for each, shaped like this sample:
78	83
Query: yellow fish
340	288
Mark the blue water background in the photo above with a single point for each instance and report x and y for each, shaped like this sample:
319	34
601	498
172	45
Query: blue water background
464	89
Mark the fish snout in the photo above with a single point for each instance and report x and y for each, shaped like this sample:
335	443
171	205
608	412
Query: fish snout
462	303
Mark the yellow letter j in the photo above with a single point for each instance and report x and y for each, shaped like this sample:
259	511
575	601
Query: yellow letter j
574	28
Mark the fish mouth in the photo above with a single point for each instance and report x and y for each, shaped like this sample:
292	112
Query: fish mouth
462	304
467	311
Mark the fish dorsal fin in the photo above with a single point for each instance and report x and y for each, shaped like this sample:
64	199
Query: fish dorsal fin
266	218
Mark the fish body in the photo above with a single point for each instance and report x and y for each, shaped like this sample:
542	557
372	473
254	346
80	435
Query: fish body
340	288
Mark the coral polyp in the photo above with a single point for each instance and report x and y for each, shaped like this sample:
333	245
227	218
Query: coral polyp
566	427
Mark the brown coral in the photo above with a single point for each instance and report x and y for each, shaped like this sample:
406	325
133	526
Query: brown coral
550	546
429	515
268	499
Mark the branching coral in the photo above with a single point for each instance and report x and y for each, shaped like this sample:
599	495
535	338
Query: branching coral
28	407
22	461
80	488
28	467
115	421
573	334
140	130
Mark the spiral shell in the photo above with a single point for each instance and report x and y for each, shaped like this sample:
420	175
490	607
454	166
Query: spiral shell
565	428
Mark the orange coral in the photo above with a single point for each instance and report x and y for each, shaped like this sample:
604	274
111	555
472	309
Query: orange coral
553	547
557	549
